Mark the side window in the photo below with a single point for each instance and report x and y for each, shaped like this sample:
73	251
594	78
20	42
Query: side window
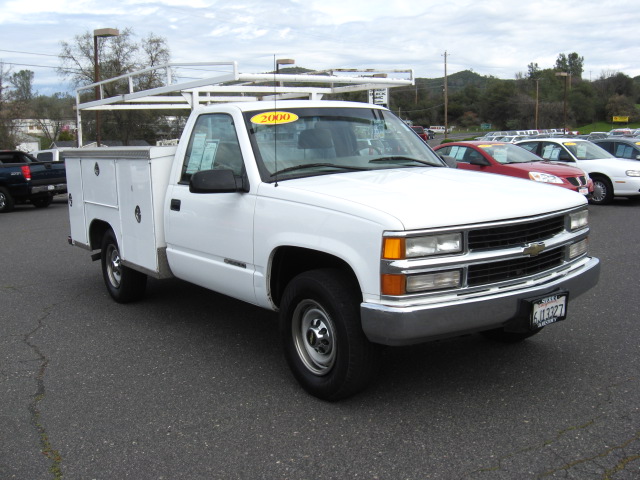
213	145
530	146
550	151
458	153
472	155
608	146
623	151
444	151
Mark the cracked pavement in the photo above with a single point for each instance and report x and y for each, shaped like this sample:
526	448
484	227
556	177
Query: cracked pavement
188	384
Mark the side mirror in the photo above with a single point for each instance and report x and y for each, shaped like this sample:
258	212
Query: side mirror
479	161
217	181
564	156
450	161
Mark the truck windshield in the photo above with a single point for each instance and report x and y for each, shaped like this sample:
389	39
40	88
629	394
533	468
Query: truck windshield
301	142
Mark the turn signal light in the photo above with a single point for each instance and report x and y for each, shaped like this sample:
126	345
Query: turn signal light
393	284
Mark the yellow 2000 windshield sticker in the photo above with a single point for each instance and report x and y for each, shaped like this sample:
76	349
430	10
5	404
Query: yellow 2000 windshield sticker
271	118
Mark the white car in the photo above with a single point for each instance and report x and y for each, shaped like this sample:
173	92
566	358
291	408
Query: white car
612	177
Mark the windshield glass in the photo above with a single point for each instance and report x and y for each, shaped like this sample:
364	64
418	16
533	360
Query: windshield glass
301	142
507	153
586	150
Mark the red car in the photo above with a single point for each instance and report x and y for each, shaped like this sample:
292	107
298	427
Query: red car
515	161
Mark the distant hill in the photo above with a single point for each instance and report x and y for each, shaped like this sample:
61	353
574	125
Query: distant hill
456	81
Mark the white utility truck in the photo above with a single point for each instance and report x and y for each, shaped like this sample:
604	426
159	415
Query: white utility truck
334	214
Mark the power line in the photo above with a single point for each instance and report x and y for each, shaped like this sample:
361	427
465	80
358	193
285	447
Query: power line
29	53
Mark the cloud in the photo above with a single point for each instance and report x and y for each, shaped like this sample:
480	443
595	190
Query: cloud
490	37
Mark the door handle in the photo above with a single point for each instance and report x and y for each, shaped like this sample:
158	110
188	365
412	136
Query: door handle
175	204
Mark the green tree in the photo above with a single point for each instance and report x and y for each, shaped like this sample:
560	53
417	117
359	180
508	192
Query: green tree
22	83
497	105
572	64
621	105
533	71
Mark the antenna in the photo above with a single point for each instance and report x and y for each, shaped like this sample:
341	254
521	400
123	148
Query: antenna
275	126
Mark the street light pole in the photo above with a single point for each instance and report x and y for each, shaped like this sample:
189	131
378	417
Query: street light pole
100	32
446	97
283	61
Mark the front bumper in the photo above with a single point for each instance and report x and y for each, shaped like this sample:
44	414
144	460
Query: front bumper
389	325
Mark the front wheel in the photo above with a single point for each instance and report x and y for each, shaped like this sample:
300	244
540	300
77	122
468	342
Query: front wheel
322	337
602	191
123	283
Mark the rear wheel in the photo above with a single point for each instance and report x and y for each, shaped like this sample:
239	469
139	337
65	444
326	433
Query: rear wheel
602	191
123	283
6	200
322	337
42	202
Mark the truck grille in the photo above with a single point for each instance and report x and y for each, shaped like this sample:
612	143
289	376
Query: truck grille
518	234
485	273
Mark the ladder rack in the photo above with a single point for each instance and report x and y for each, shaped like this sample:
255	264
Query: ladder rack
222	82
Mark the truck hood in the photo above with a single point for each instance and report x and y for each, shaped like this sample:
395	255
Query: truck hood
415	198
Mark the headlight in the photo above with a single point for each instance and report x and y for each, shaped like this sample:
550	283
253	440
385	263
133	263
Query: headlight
425	282
399	248
433	281
544	177
578	249
633	173
579	220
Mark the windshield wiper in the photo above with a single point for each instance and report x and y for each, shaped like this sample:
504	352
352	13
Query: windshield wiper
314	165
402	159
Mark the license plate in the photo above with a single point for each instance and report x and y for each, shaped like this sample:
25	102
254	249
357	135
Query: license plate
51	187
583	190
548	310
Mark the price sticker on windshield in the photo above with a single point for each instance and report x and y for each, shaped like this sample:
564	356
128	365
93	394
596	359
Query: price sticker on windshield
273	118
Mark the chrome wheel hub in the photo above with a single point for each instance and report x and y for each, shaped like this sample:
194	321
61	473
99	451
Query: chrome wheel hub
114	266
314	337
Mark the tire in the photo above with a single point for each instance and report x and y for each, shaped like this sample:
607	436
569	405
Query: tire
123	283
602	191
322	336
6	201
42	202
499	335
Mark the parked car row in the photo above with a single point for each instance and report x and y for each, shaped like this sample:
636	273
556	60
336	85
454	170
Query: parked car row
601	170
508	159
612	177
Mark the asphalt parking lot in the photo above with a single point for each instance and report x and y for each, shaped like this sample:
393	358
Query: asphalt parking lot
188	384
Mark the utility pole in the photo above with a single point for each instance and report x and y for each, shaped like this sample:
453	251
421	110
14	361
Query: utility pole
446	97
537	80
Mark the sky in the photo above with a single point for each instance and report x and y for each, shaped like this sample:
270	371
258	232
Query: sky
489	37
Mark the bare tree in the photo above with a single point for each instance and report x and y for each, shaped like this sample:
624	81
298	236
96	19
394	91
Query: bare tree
8	127
53	114
117	56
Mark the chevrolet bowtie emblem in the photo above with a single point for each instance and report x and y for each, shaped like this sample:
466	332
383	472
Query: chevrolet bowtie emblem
533	249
